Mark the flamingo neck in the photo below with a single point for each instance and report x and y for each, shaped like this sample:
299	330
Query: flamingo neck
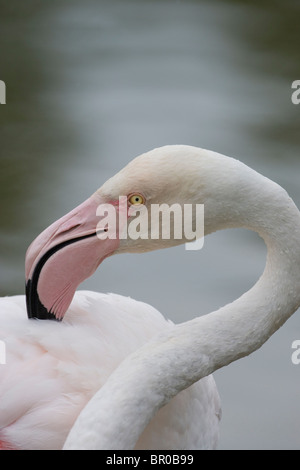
173	360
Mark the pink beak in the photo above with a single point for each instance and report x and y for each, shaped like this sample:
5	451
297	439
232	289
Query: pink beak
61	257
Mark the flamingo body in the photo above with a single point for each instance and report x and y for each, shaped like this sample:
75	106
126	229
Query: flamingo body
112	373
53	370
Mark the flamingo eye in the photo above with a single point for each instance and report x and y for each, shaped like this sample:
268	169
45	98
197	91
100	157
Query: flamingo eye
136	199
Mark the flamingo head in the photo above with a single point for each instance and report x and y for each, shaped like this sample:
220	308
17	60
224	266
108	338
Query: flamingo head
116	218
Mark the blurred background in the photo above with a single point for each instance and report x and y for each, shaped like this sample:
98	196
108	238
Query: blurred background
92	84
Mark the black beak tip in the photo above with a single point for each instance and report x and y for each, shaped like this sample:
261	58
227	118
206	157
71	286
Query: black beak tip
35	308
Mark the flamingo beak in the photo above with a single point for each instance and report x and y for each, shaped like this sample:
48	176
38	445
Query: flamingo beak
61	257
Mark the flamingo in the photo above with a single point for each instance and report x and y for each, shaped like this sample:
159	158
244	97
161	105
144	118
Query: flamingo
112	373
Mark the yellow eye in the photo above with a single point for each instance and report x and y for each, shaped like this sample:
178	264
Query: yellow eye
136	199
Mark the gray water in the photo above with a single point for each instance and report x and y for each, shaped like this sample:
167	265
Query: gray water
92	84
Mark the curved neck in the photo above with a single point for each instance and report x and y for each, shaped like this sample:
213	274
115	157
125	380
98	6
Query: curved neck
185	353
